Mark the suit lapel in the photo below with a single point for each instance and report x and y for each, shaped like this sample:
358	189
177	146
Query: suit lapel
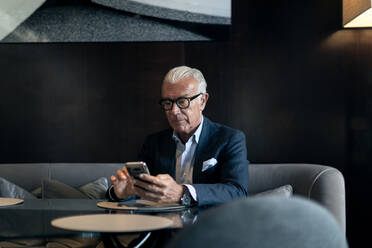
201	149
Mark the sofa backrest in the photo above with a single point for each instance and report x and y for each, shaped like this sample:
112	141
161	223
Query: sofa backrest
77	174
323	184
30	175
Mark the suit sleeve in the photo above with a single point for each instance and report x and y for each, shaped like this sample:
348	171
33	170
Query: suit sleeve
232	181
149	154
145	152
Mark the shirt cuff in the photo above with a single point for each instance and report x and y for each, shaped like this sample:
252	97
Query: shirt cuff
192	191
111	194
113	198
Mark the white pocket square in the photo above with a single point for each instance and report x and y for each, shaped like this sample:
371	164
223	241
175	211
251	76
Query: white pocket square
209	164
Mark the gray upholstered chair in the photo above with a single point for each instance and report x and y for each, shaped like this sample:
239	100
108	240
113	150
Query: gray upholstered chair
323	184
265	222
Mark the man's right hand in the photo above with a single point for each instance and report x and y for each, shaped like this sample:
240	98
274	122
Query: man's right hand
123	185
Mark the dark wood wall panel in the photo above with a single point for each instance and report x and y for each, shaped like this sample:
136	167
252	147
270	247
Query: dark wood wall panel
81	102
308	123
215	61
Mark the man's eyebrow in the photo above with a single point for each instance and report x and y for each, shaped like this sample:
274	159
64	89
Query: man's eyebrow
185	95
188	94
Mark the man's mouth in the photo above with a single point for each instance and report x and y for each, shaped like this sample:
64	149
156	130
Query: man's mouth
178	120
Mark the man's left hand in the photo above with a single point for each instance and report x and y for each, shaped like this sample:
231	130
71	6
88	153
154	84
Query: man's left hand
161	188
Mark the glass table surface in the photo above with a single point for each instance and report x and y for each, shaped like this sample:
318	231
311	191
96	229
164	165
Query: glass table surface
32	218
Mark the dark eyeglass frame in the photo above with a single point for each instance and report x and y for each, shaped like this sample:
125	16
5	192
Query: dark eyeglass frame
189	99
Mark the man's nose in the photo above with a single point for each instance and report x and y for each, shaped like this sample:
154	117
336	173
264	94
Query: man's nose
175	109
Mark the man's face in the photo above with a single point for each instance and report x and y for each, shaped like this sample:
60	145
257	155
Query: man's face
184	121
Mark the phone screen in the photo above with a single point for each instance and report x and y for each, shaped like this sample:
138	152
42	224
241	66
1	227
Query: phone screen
136	168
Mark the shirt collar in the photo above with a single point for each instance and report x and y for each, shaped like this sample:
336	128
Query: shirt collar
195	136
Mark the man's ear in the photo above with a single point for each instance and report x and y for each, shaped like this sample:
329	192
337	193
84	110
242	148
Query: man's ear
203	101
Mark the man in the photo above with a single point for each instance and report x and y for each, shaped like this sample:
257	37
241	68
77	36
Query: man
197	161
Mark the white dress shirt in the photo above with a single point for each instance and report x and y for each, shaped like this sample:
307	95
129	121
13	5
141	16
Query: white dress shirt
185	157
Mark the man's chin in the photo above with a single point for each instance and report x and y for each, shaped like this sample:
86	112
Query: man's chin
179	129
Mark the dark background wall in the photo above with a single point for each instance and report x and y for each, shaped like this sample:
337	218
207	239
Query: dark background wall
290	77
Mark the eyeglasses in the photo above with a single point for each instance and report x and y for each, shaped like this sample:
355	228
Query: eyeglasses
182	102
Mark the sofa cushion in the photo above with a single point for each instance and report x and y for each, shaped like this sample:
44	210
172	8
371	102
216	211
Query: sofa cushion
11	190
37	192
96	189
57	189
285	190
92	190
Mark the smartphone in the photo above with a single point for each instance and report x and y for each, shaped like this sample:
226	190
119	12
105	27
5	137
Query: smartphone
136	168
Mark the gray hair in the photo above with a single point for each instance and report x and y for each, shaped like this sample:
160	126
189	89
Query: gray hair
182	72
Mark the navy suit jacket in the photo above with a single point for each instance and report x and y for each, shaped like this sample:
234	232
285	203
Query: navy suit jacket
227	180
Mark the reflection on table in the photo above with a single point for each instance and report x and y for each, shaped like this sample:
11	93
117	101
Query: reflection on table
32	219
